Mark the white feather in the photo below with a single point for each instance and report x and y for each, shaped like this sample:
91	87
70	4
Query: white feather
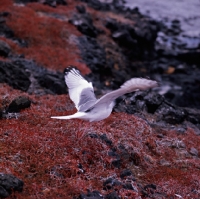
76	83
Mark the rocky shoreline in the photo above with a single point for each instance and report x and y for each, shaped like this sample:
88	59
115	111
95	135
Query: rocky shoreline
109	43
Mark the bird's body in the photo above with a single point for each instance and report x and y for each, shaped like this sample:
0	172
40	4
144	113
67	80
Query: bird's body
93	115
82	94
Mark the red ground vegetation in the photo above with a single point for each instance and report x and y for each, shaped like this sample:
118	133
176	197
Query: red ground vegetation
5	4
50	38
45	153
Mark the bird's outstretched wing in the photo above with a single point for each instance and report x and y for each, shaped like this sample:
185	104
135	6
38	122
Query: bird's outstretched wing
129	86
81	91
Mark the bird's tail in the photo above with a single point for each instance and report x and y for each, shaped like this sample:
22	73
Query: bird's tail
76	115
62	117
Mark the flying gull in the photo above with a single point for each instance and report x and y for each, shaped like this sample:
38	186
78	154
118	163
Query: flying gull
90	108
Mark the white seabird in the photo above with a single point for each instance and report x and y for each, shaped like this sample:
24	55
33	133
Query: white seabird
90	108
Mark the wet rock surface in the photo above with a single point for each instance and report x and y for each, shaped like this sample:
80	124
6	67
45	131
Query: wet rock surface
179	34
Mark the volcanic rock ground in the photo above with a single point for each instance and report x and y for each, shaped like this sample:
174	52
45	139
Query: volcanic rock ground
147	148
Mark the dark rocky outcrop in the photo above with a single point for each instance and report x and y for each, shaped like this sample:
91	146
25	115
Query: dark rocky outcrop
18	104
8	184
104	6
91	195
84	23
15	75
153	103
137	41
26	75
4	49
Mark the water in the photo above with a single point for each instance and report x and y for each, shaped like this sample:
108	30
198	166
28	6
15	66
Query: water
187	12
185	41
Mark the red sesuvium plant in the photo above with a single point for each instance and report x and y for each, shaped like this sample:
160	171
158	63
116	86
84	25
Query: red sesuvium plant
46	153
5	4
50	39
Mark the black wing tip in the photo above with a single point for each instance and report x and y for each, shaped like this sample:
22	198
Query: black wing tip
70	68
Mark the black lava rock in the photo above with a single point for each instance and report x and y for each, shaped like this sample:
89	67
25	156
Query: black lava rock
91	195
9	183
149	190
138	40
93	135
97	5
194	152
125	173
112	195
53	82
171	42
150	186
81	9
110	183
104	138
116	5
20	73
116	163
25	1
192	115
18	104
6	31
15	75
1	112
172	114
3	193
128	186
4	49
83	22
153	101
4	14
54	3
112	153
93	54
124	38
